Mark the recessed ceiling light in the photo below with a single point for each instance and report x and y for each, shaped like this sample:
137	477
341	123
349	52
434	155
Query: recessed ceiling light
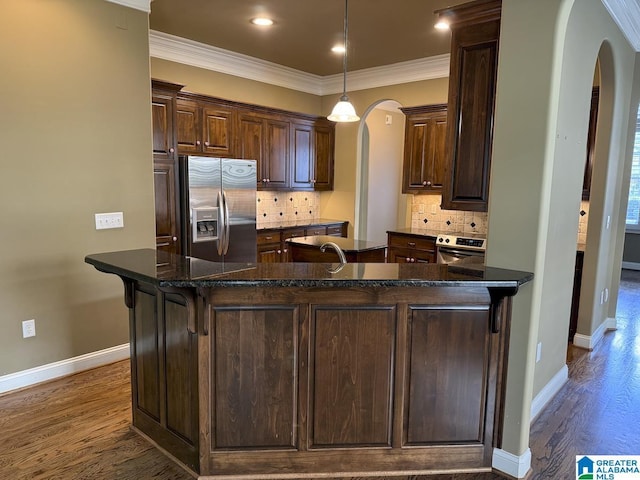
338	49
262	21
442	25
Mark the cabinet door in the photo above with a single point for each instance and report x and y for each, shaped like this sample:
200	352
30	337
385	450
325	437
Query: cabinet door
324	147
218	131
276	164
441	340
438	151
188	127
163	131
164	177
474	62
424	148
302	162
251	143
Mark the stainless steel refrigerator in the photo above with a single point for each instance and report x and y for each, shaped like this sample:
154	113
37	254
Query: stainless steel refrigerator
219	208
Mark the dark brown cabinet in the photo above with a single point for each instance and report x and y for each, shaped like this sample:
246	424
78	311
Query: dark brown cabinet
575	298
424	148
266	140
475	31
204	127
591	140
167	212
273	246
312	147
410	248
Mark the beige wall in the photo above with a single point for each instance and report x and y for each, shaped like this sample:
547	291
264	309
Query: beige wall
538	160
75	127
207	82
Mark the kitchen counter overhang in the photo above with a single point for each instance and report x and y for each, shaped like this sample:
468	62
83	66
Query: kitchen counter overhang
167	270
290	371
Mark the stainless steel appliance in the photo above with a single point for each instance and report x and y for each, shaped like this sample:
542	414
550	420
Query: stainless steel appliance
219	208
461	248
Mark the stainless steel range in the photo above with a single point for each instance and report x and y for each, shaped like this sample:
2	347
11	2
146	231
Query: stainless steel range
460	248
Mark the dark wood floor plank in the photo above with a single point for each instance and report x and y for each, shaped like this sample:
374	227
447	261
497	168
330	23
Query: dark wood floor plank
78	427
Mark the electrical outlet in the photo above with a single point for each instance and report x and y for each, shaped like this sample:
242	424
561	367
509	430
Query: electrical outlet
109	220
539	352
28	328
601	297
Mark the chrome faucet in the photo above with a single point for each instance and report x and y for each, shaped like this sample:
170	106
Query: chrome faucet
337	249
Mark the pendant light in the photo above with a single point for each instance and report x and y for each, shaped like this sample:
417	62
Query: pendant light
344	111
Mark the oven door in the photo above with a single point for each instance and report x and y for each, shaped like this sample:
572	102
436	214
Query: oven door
449	255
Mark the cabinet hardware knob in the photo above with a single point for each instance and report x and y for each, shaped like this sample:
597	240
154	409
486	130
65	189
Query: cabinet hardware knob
424	183
411	244
197	142
268	238
428	184
171	150
408	260
264	180
206	144
268	180
175	239
279	252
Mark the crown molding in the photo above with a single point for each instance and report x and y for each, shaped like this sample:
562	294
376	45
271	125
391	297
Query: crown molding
626	14
188	52
144	5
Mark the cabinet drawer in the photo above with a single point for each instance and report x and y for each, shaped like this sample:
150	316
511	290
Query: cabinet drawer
316	231
293	233
417	242
335	230
268	237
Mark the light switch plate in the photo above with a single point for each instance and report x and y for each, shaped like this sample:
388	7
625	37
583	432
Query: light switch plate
109	220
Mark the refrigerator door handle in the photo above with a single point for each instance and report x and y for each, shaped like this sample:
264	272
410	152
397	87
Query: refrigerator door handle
227	226
221	225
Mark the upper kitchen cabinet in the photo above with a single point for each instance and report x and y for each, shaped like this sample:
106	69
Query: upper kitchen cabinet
424	148
591	140
267	140
312	147
204	127
163	104
475	31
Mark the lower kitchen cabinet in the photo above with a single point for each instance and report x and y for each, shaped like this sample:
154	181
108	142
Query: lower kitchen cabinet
272	246
410	248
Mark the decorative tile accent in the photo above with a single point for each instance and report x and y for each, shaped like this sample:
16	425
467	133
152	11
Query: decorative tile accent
426	209
273	207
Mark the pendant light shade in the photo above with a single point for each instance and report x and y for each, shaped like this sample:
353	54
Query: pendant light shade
344	110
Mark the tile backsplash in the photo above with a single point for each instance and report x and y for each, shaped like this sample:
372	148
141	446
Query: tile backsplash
426	213
286	206
584	221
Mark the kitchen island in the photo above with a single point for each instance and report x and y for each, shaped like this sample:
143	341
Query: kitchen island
303	370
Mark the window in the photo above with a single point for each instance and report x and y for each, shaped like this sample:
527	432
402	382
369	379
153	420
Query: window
633	208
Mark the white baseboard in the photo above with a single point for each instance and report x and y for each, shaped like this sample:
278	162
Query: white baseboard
549	391
513	465
589	342
43	373
631	265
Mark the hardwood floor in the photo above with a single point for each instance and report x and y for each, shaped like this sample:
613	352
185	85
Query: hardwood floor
79	427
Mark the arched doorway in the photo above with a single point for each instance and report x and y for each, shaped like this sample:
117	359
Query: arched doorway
380	204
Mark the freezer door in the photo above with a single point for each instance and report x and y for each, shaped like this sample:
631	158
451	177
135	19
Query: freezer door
203	185
239	179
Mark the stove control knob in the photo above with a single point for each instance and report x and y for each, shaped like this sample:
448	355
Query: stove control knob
447	240
440	240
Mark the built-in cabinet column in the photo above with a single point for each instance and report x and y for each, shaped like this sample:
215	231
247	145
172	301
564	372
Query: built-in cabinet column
165	166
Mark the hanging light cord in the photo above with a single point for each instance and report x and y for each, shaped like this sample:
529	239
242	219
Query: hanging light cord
344	58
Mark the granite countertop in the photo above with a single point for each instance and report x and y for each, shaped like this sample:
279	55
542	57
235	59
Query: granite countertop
297	223
166	270
346	244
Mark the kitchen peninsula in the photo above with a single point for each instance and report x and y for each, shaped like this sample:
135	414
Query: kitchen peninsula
297	370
